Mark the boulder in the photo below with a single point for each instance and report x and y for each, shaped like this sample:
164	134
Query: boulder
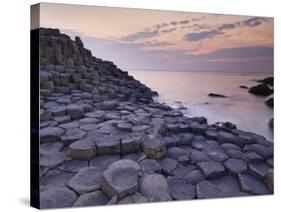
121	178
216	95
261	90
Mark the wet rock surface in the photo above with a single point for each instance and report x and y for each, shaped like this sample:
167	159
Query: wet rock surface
104	140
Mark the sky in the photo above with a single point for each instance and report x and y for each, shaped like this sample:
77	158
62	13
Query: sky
167	40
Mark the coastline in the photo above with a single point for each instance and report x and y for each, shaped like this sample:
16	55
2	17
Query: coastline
99	123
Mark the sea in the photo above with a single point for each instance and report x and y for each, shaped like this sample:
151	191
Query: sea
189	90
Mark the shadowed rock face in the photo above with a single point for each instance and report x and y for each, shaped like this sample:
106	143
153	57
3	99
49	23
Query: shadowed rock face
105	141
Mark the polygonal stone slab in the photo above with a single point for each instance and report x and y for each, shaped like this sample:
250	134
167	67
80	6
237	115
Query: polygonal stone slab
226	137
168	164
179	190
52	159
259	170
57	198
206	189
134	198
150	166
121	178
72	135
92	199
176	152
55	178
73	165
130	144
47	148
211	169
51	134
227	184
252	185
84	149
86	180
154	148
103	161
198	156
155	187
108	145
235	166
75	111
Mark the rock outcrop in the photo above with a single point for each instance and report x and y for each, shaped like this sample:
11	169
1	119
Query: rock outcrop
105	141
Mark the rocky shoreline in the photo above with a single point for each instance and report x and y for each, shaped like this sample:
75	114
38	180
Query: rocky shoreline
104	141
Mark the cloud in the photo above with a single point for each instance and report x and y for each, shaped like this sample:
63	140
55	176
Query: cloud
141	35
253	22
155	43
197	36
169	30
221	29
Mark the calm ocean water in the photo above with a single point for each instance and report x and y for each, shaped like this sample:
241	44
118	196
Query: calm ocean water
245	110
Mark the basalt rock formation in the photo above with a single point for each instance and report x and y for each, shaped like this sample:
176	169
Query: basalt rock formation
104	140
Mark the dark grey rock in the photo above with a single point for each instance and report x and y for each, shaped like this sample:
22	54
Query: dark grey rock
245	139
109	105
236	154
108	145
155	187
228	146
179	190
180	171
262	150
73	165
168	164
57	198
259	170
86	180
206	189
48	148
269	180
92	199
84	149
176	152
52	159
186	139
235	166
211	169
121	178
62	119
154	148
150	166
75	111
72	134
211	134
193	177
134	198
55	178
227	184
103	161
261	90
252	185
51	134
225	137
198	156
130	144
254	157
216	154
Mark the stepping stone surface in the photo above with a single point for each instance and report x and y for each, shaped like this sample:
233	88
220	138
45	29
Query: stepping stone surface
86	180
51	134
211	169
57	198
155	187
252	185
154	148
235	166
179	190
121	178
92	199
206	189
84	149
